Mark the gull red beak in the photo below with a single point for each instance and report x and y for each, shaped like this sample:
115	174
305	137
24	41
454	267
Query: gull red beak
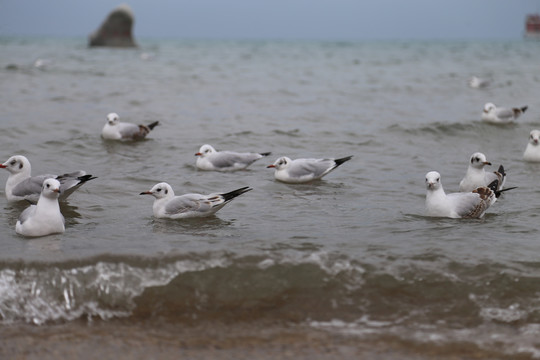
486	163
56	191
271	166
146	193
2	166
198	154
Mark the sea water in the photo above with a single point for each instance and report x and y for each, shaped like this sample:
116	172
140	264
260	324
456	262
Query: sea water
352	255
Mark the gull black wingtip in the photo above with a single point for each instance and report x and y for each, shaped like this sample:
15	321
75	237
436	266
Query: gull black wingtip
342	160
495	184
153	125
499	192
232	194
86	178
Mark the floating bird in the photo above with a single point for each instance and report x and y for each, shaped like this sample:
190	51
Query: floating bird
211	159
476	176
42	64
532	151
20	185
45	217
495	115
114	129
465	205
478	83
167	205
304	170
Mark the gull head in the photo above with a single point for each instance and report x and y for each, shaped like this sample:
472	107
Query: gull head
489	107
17	164
205	150
51	188
534	137
433	180
113	119
280	163
478	160
160	191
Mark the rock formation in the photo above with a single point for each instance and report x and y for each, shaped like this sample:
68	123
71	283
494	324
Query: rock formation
116	30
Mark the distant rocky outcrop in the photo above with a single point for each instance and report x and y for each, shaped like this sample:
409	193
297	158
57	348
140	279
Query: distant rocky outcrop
116	30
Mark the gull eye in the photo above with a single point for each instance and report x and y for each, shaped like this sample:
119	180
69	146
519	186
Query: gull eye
48	185
438	179
13	162
158	190
166	192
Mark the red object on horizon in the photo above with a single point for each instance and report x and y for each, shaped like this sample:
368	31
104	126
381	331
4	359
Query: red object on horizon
532	25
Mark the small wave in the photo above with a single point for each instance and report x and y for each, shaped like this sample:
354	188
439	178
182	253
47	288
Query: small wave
438	128
291	133
292	285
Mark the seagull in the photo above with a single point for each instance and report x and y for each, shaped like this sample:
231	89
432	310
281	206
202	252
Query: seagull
20	185
167	205
478	83
44	218
42	64
114	129
458	205
210	159
495	115
476	176
304	170
532	151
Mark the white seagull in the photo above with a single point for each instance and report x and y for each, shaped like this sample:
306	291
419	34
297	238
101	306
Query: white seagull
114	129
476	176
495	115
211	159
477	83
20	185
458	205
167	205
532	151
304	170
44	218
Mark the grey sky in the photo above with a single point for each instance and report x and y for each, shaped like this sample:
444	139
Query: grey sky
277	19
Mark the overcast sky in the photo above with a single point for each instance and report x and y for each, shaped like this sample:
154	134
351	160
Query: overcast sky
277	19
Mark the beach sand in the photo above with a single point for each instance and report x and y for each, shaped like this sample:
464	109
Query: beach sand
125	340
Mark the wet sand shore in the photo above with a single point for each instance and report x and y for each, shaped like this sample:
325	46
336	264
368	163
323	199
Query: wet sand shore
127	340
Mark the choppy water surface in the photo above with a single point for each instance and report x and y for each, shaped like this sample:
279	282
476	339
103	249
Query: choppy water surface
351	254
